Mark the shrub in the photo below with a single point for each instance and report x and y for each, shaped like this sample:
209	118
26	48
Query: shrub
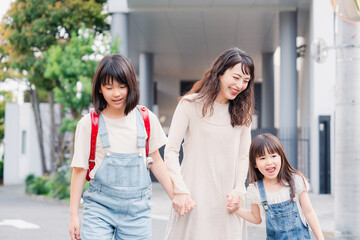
59	185
1	169
37	185
28	180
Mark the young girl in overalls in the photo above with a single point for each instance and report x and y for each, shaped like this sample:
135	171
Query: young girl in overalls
118	201
279	191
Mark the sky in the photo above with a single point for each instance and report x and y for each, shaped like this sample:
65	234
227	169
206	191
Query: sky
4	6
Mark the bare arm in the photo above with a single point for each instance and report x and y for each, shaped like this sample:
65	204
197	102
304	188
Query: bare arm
310	215
161	173
76	189
252	215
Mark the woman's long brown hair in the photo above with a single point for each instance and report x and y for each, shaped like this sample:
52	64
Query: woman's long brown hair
269	143
208	88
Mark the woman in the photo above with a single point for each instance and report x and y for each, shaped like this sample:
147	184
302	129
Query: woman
214	121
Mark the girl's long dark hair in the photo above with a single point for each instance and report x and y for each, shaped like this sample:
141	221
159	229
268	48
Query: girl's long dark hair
115	67
268	142
208	88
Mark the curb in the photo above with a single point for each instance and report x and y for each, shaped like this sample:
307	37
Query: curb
48	199
327	233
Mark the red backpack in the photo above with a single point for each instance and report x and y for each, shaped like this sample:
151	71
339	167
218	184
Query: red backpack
94	131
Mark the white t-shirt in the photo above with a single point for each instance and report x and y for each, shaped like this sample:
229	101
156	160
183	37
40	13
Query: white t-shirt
253	195
122	135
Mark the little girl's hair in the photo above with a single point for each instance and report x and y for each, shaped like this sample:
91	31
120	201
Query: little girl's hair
115	67
269	143
242	107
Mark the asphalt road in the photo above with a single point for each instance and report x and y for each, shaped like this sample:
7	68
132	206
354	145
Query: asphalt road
25	217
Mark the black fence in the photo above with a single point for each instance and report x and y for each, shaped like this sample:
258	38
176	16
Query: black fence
303	156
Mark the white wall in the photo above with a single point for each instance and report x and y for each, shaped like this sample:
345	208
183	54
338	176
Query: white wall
321	85
11	139
19	118
18	165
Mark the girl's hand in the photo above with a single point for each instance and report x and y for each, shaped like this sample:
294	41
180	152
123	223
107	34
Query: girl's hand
233	203
74	228
182	203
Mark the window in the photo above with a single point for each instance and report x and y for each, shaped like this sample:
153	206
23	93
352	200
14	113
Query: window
185	86
23	142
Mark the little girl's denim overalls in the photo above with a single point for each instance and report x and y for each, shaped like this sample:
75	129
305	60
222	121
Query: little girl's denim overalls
282	219
118	201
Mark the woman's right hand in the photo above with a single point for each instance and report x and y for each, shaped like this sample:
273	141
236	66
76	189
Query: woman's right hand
182	203
74	228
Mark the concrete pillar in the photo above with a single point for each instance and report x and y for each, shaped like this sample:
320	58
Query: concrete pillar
267	91
288	85
119	27
146	70
347	131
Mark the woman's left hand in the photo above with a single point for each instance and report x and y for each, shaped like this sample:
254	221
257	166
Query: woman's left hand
233	203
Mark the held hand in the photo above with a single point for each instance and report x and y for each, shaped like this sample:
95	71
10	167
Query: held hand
233	203
74	228
182	203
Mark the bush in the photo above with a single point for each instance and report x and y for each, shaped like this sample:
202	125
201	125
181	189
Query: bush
57	185
1	169
36	185
28	180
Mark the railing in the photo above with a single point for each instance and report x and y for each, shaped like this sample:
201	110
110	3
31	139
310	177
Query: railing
303	147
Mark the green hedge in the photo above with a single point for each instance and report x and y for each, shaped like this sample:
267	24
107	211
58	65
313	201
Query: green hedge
56	185
1	169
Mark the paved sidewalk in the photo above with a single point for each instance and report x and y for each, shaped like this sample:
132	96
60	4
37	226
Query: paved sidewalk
323	205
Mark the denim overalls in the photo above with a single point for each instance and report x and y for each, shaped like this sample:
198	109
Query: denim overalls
282	219
118	201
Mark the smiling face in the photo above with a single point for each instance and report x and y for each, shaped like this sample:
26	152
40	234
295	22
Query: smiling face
269	165
232	83
115	94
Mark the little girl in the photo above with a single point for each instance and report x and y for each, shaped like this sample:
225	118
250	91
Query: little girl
118	201
279	191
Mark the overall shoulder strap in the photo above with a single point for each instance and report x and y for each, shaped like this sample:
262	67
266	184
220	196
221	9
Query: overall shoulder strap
263	194
94	131
145	115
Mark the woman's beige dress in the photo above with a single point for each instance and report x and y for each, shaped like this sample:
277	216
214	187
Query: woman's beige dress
215	164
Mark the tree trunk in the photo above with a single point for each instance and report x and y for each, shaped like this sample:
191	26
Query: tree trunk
53	131
61	143
347	131
74	115
36	109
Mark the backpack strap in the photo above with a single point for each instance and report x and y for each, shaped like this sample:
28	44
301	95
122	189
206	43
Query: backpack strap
94	131
145	115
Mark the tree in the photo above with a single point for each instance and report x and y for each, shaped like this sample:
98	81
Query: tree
72	65
32	27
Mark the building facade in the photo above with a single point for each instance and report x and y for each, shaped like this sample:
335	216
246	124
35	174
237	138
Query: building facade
172	43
